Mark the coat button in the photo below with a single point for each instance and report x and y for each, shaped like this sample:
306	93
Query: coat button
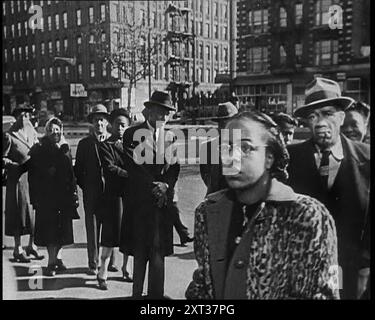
239	264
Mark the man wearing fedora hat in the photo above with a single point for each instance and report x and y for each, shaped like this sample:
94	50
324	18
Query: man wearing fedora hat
147	226
336	171
210	167
88	172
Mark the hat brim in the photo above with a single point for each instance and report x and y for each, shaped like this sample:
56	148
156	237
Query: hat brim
19	110
148	104
218	119
342	102
91	115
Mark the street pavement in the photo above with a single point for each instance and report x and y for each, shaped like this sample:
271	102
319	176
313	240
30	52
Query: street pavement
75	284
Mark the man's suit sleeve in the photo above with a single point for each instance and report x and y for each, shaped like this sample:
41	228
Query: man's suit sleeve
79	168
108	162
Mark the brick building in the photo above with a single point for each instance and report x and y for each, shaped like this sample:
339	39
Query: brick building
40	65
282	45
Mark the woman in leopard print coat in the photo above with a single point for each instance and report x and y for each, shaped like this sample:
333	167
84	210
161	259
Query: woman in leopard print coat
258	239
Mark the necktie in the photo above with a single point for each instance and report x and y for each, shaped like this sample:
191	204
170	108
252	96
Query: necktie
324	167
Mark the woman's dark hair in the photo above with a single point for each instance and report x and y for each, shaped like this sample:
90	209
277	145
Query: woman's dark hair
275	142
119	112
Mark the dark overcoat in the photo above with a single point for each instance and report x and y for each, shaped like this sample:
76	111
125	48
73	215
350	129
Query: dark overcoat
53	192
347	201
89	173
144	221
18	211
111	211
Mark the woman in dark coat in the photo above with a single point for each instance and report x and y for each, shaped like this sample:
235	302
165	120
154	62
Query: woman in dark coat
53	193
19	215
112	209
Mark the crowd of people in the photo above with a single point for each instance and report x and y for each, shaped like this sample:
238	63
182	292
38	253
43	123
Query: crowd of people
280	220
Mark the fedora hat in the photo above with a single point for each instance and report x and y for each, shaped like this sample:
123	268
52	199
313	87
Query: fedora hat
98	109
322	92
225	111
22	108
160	98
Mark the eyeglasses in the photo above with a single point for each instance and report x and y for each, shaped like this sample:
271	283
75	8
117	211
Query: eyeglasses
245	148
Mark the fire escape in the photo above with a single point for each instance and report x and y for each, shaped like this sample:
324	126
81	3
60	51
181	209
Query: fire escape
179	42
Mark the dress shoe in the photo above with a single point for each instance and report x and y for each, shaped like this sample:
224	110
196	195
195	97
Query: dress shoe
92	272
60	265
126	277
185	238
51	270
112	268
21	257
31	251
102	283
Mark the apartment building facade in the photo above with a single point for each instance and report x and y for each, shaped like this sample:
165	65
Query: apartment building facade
283	45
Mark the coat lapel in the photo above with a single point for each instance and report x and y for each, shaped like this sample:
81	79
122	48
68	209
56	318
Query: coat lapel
19	136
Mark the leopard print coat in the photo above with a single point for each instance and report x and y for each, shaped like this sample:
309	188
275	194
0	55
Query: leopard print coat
292	253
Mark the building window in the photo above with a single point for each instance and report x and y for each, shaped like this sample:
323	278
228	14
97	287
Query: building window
91	14
19	53
80	71
79	44
19	29
201	51
225	11
216	53
102	12
57	22
103	36
79	17
5	55
208	75
283	17
50	71
44	74
58	71
208	55
299	13
207	30
225	33
216	31
26	52
207	5
34	74
225	55
42	48
49	23
6	77
65	45
298	52
92	70
4	8
5	32
26	28
25	5
322	14
257	59
66	72
282	54
65	20
326	52
27	75
50	47
12	29
104	69
21	76
216	9
57	47
258	20
33	50
11	7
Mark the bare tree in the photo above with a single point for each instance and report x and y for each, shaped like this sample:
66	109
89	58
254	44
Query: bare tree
131	51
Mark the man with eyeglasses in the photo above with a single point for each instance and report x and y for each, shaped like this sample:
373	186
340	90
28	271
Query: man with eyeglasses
336	171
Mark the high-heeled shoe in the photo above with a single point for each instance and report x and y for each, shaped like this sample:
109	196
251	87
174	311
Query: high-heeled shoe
51	270
126	277
102	283
60	266
185	238
21	257
112	268
31	251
